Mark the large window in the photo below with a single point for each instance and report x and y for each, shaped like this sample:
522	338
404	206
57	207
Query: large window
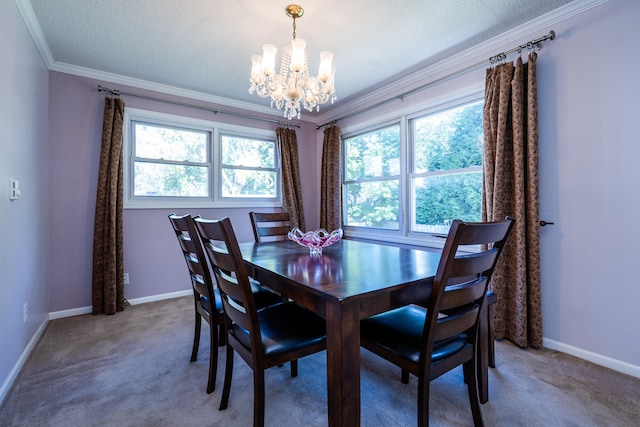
415	182
372	179
181	162
446	168
170	161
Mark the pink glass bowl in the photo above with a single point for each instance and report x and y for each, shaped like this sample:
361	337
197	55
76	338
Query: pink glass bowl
315	240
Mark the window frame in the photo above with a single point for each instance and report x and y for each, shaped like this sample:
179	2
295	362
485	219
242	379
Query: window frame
365	180
214	162
407	205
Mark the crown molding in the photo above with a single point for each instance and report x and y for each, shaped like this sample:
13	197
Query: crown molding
428	74
466	58
161	88
29	17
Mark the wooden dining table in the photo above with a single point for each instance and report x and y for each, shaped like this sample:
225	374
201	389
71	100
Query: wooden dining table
350	281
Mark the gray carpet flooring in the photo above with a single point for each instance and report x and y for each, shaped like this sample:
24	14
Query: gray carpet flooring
133	369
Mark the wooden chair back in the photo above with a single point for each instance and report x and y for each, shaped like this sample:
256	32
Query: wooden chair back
228	268
194	256
205	294
270	226
460	285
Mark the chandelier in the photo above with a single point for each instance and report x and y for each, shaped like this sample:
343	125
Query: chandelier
292	88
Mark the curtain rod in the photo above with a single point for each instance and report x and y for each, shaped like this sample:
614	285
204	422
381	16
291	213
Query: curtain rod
494	59
116	93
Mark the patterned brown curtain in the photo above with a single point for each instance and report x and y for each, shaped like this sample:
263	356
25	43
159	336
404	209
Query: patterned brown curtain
511	188
331	183
292	193
108	257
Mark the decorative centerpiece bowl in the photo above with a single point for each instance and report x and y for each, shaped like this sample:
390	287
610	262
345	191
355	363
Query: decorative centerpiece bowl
315	240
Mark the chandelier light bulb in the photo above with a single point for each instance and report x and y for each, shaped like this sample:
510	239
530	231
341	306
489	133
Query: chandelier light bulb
269	59
324	71
298	55
292	88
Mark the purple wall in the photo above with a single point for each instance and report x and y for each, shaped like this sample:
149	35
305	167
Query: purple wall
152	257
24	152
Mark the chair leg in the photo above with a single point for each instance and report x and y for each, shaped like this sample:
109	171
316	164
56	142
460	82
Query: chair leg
492	299
228	374
213	358
196	337
294	368
474	398
404	376
423	401
492	337
258	396
222	335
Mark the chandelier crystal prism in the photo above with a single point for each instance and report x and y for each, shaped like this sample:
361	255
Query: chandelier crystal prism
292	88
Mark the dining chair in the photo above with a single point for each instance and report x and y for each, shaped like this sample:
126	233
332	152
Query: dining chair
428	342
272	336
206	297
270	226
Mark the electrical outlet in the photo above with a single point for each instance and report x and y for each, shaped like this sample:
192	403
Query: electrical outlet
14	189
25	312
126	278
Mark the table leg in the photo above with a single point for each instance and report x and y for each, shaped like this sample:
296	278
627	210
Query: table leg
343	363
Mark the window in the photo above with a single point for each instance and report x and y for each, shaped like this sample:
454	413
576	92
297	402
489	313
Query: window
170	161
248	167
179	162
442	179
446	173
372	184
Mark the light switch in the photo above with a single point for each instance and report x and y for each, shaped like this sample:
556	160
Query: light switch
14	189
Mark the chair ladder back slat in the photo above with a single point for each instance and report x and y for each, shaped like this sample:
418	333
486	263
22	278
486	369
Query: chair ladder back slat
236	314
455	324
270	225
463	293
472	264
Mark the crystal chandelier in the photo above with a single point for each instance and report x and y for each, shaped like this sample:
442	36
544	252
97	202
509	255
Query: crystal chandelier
292	88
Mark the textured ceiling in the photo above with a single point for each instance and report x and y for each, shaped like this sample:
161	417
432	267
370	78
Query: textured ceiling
206	45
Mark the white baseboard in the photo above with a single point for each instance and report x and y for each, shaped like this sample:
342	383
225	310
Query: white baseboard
23	358
70	313
160	297
598	359
134	301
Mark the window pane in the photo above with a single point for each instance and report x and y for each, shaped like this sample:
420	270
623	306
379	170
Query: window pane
441	199
247	152
373	204
153	179
248	183
375	154
169	143
451	139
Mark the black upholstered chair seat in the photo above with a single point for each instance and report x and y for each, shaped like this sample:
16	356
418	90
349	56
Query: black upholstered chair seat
262	296
401	331
285	327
